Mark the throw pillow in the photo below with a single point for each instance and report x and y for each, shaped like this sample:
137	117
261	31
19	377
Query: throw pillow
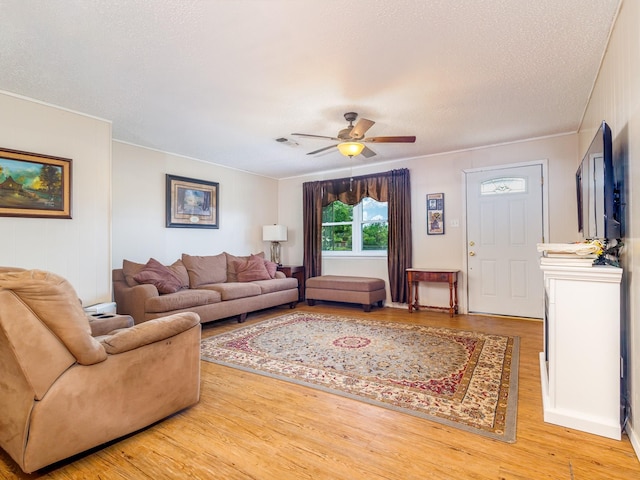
251	270
131	269
165	280
205	270
272	268
233	260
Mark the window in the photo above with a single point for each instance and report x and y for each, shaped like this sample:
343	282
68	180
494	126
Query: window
360	229
503	185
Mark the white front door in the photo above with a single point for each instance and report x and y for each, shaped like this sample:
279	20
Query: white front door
504	224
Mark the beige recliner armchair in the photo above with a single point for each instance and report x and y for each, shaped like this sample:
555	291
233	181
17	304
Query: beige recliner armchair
63	391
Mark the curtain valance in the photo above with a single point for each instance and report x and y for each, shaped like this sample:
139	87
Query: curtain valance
352	190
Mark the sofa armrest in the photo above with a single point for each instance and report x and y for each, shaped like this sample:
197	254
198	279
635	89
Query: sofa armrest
148	332
131	300
102	324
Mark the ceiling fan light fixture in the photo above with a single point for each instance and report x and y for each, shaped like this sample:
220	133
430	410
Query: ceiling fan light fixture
350	149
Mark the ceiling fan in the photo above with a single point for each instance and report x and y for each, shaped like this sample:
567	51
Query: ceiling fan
352	138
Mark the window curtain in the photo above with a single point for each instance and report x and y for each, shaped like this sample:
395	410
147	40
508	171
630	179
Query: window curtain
312	228
393	187
399	256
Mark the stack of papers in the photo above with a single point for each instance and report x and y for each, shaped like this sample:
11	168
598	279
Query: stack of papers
568	254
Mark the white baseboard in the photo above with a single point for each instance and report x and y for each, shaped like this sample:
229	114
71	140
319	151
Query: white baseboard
396	305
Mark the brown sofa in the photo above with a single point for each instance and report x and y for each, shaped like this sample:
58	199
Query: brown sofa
214	287
63	391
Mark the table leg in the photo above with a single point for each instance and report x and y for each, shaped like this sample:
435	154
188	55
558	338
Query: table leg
410	285
455	290
450	298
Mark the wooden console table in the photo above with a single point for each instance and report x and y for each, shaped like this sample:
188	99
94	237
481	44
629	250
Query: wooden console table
416	275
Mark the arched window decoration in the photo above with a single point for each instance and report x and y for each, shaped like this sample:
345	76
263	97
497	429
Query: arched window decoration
500	186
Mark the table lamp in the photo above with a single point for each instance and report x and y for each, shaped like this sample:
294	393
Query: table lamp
274	234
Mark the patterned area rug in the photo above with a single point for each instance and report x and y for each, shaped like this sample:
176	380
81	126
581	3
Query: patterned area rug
464	379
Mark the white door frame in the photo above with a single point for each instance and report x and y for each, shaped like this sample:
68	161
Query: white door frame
464	286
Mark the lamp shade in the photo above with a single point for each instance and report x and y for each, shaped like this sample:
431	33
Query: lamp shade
350	149
274	233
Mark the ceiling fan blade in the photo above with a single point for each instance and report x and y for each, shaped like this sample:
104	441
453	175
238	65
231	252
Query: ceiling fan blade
367	152
404	139
361	128
307	135
321	150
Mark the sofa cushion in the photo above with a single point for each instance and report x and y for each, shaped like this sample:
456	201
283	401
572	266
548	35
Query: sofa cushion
205	269
232	291
277	284
181	300
165	280
344	282
131	269
251	269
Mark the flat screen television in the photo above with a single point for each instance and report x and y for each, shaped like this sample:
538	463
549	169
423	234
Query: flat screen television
599	212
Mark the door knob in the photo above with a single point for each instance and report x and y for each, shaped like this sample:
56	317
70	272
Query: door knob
472	243
472	254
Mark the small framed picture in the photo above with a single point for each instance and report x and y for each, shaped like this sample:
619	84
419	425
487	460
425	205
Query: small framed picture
435	214
191	203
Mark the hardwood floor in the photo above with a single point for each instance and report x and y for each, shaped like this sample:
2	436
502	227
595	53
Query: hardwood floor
247	426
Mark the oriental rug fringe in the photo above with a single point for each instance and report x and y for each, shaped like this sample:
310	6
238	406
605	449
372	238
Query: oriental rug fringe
467	380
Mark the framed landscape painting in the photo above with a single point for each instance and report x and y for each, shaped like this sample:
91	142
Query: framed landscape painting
191	203
34	185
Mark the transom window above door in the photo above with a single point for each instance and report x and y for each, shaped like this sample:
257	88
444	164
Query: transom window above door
500	186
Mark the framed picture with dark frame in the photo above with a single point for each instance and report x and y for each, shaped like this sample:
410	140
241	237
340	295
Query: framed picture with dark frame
34	185
191	203
435	214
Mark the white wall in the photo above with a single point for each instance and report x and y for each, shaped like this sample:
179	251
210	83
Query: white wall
616	99
119	212
443	173
246	202
79	248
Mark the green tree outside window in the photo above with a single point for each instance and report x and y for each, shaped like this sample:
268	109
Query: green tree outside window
362	228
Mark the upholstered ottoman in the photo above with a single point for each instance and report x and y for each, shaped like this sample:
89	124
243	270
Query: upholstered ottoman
338	288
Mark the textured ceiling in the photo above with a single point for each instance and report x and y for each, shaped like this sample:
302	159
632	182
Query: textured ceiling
220	80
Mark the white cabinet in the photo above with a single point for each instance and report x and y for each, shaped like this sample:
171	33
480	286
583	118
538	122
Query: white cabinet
580	365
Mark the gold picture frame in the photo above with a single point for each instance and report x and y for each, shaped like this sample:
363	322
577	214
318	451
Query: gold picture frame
34	185
191	203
